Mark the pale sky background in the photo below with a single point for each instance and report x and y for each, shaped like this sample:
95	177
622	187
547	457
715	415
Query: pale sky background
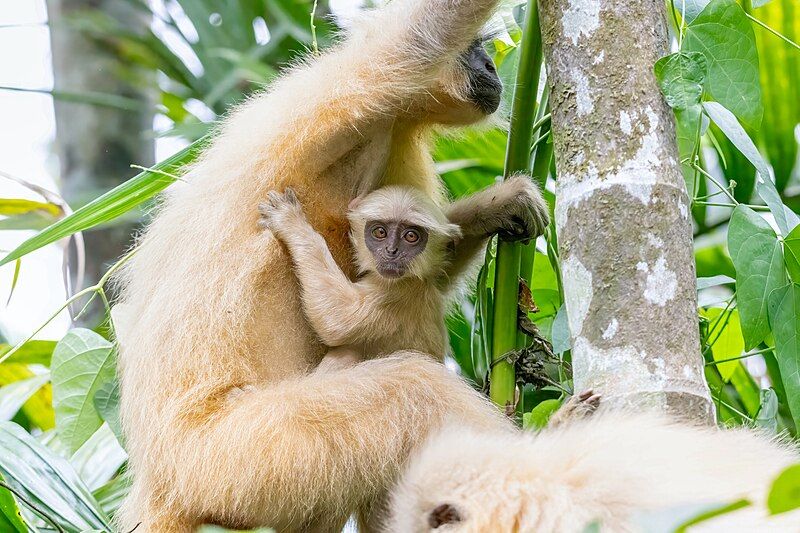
27	128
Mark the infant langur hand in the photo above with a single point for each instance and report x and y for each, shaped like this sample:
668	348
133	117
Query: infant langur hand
523	214
279	210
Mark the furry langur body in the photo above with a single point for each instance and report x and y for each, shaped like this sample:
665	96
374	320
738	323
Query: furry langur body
609	468
409	261
210	305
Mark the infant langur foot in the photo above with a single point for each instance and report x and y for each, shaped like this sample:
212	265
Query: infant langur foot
575	408
279	209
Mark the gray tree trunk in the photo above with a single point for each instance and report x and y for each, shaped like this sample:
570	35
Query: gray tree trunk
96	145
622	211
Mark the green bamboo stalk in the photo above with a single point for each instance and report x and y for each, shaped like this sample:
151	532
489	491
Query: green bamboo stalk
520	136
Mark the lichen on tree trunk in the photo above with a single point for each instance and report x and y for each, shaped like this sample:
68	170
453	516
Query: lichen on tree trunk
622	211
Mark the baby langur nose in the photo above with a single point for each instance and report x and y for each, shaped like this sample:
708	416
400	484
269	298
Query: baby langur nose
391	250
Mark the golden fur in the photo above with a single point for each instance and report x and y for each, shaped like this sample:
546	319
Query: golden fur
611	467
210	304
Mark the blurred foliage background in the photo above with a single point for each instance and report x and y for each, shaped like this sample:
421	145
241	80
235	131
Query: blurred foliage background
129	72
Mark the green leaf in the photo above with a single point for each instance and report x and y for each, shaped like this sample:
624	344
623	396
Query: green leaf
83	362
48	481
10	518
784	316
723	34
538	417
714	281
758	258
561	341
111	495
106	402
14	396
112	204
99	459
31	353
767	416
785	492
728	343
791	253
681	77
17	206
691	8
724	119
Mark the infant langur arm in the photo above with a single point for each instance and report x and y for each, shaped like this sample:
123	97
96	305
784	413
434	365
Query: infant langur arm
333	304
513	208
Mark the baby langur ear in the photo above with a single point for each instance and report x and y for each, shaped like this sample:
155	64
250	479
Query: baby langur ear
354	203
443	514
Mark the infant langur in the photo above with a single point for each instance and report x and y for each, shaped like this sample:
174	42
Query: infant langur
410	256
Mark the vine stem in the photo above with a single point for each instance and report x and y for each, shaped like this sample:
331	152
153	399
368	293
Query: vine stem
508	261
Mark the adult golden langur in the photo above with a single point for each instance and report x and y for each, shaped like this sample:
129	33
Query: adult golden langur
225	420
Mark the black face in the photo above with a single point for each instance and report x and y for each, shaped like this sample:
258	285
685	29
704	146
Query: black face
394	245
484	84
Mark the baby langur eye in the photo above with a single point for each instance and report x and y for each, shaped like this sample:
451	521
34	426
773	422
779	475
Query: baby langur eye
379	232
443	514
411	236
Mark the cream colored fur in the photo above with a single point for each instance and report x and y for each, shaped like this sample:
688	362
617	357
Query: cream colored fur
212	306
610	467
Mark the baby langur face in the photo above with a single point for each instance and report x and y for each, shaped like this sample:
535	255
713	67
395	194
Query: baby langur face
394	245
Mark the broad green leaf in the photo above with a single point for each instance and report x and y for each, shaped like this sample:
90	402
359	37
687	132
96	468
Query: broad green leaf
759	3
681	77
106	402
723	34
31	353
112	204
14	396
758	258
727	338
538	417
784	317
10	518
784	495
48	481
724	119
791	253
691	8
83	362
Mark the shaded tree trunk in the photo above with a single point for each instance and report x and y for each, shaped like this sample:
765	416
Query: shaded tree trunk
96	145
622	211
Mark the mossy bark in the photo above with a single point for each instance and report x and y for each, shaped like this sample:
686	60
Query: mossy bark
622	211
